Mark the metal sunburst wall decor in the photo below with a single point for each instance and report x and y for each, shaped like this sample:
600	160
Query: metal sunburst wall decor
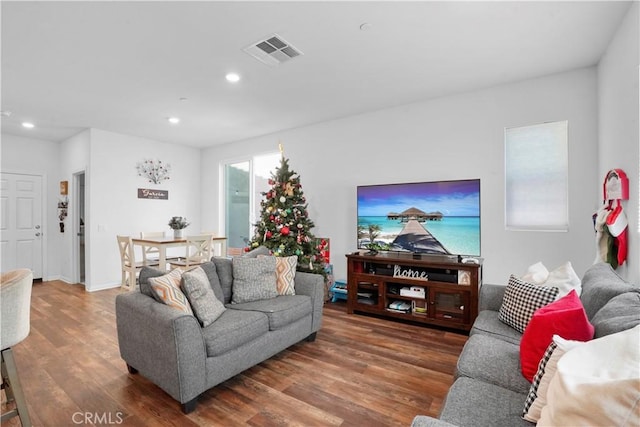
154	170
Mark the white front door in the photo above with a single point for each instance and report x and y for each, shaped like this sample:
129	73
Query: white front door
21	222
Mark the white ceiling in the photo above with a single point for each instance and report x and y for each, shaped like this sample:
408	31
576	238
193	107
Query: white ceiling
123	66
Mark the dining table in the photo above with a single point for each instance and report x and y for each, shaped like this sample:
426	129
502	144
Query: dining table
163	243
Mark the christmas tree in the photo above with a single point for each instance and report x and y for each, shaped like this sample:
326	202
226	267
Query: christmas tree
284	226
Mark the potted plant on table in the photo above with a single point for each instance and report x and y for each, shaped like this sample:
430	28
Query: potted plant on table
178	224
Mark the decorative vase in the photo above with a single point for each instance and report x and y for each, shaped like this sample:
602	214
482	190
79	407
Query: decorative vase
178	233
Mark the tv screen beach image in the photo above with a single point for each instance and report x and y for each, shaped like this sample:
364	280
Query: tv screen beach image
430	217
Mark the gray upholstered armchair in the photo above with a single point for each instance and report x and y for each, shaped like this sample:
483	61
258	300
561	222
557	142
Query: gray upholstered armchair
15	287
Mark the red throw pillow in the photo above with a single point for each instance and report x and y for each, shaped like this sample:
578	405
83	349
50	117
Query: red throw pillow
565	317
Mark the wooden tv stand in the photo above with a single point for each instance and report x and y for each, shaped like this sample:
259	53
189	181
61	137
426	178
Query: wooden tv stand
429	289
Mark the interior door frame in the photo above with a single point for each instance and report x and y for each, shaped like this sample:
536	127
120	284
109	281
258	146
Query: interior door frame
75	214
44	221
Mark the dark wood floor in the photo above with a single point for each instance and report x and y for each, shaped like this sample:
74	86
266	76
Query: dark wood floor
360	371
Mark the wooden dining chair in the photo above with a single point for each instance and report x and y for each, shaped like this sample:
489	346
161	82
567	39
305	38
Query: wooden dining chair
150	254
199	249
130	267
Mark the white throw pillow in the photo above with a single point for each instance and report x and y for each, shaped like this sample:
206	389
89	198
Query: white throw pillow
564	278
536	274
597	384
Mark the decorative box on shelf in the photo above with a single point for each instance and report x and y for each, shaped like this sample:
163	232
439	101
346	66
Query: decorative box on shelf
413	291
399	307
339	290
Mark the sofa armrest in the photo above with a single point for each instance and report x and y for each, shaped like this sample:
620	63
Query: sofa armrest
312	285
426	421
490	297
163	344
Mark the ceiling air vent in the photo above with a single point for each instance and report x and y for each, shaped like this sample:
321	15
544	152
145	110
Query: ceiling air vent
273	50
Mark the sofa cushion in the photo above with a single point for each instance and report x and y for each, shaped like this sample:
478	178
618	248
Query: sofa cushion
233	329
521	300
281	311
620	313
214	280
253	279
224	268
167	290
597	383
564	317
493	361
600	283
206	307
259	251
473	403
487	323
145	274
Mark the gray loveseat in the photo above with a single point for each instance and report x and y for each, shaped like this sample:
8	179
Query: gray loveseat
489	389
174	351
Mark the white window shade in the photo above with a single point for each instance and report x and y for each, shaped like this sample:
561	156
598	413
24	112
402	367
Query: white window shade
536	177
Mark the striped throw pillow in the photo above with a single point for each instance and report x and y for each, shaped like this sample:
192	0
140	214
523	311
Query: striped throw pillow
285	274
167	289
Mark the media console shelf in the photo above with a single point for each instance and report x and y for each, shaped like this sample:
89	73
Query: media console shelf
430	289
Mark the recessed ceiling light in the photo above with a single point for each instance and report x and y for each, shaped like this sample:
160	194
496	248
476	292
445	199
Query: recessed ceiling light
174	120
232	77
28	125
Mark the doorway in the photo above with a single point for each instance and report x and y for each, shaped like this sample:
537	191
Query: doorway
21	226
245	182
79	226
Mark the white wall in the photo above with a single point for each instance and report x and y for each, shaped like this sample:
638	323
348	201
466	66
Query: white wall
618	98
74	158
112	196
109	162
39	157
454	137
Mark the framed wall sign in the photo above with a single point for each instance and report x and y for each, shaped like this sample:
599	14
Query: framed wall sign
147	193
64	188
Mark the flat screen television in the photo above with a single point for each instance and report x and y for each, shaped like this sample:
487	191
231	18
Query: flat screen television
440	217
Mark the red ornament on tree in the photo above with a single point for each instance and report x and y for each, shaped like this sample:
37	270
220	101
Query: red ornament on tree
268	234
284	231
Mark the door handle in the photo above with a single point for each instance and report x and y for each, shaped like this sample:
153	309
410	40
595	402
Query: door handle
37	234
37	227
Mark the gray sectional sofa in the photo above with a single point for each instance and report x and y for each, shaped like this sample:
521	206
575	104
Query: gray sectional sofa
175	352
489	389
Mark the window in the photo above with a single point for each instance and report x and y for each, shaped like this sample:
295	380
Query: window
536	177
244	183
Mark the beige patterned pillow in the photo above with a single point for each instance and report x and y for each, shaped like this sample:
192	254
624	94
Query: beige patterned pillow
167	289
285	274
